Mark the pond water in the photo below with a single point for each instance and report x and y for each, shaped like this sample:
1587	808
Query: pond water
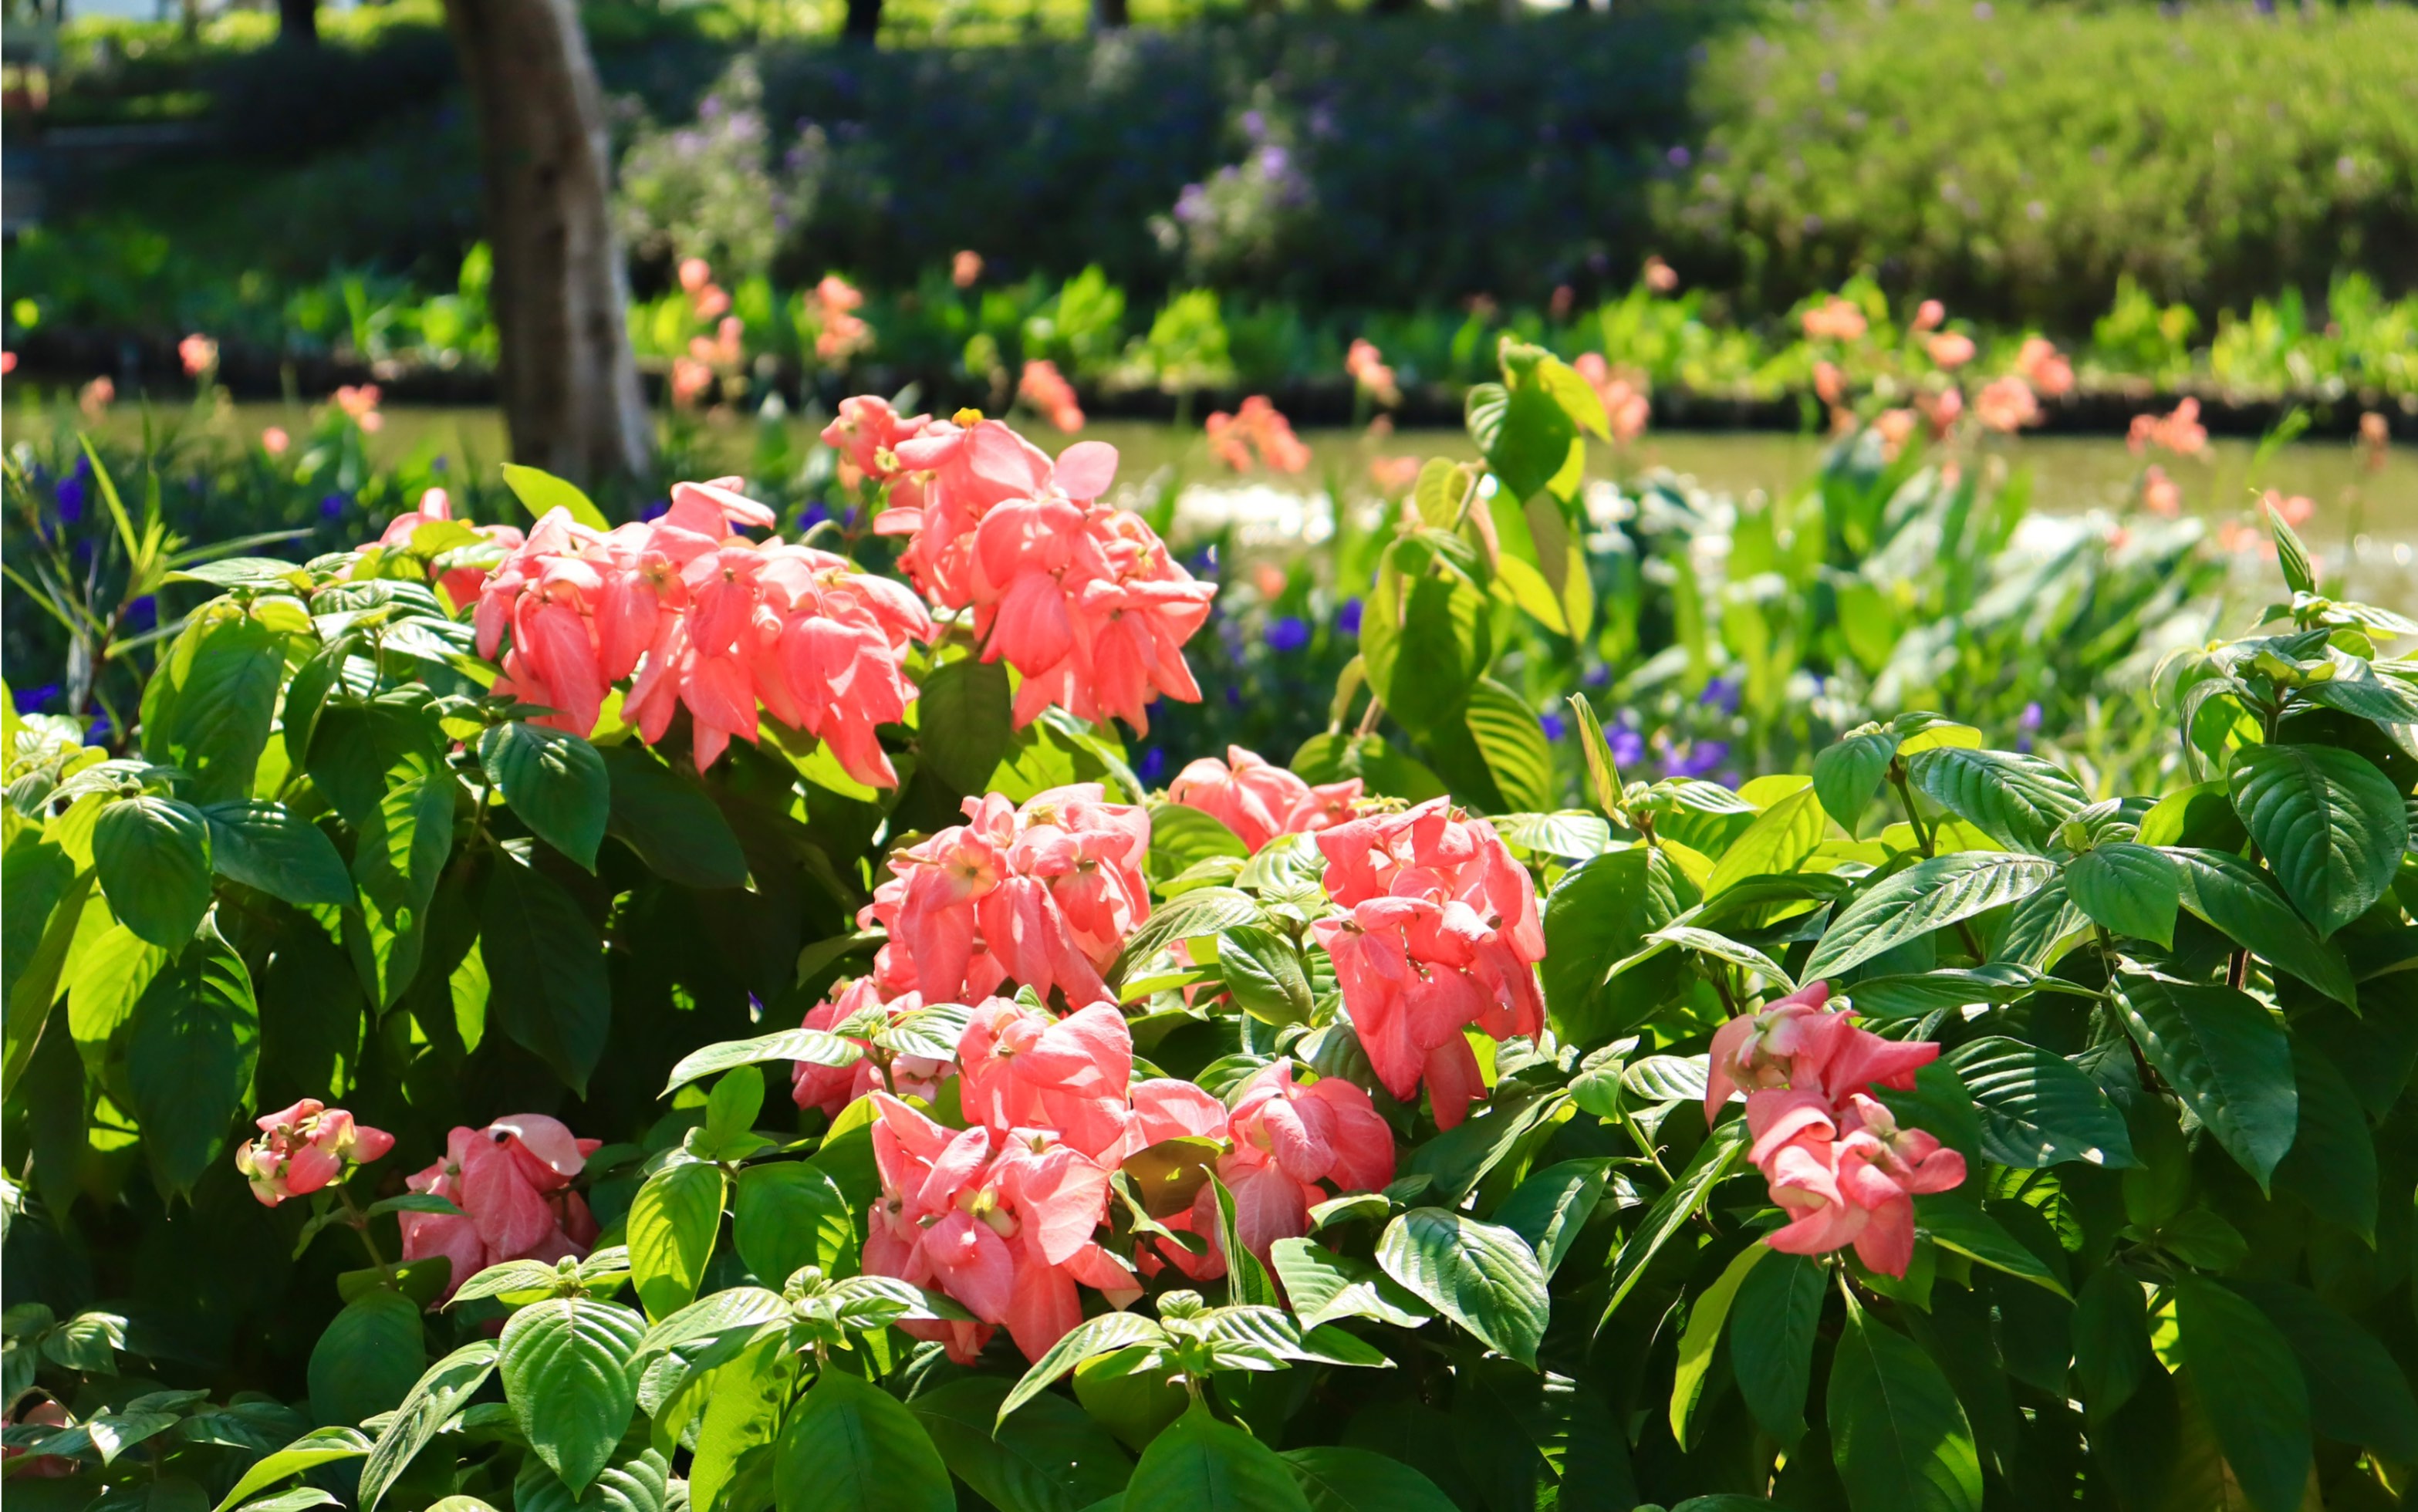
2377	509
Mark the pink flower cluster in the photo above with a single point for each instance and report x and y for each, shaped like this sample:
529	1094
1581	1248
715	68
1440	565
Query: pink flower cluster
833	1087
303	1148
511	1180
1258	799
1044	896
1837	1162
1371	375
1080	597
2179	432
1046	391
1257	431
1442	934
1626	405
1003	1215
706	619
460	585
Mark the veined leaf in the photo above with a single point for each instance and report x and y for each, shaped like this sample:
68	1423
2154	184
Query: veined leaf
1483	1276
2332	826
2015	800
1928	896
1897	1433
2225	1055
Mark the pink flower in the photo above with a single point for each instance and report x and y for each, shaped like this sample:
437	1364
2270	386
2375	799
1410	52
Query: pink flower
1834	319
1046	389
833	1087
2160	494
1846	1178
1753	1051
360	404
695	274
461	585
2179	433
869	433
1258	799
1940	410
1951	349
1442	934
303	1148
1830	384
2006	405
1074	1074
274	440
2045	367
1394	476
838	331
1623	393
965	269
1257	433
1044	896
710	302
690	381
1660	276
2295	510
8	363
512	1181
1929	315
1367	366
199	355
96	397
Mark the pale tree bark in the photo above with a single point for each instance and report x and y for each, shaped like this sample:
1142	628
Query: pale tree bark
568	379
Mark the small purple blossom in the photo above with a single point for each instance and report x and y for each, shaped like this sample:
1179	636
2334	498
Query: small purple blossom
1554	724
1627	747
1696	757
1347	619
332	507
70	499
1721	693
1288	633
1152	766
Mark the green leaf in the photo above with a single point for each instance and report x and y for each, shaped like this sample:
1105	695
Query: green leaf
2111	1343
789	1214
430	1404
153	855
1182	837
2358	1393
541	492
1200	1464
190	1052
37	986
1672	1212
1702	1336
1432	639
1954	1220
966	722
850	1446
1772	1323
321	1446
209	705
1928	896
2129	888
1264	971
1531	441
1193	915
2037	1108
824	1050
1512	740
1600	913
1049	1458
1481	1276
641	1482
1915	995
1551	1205
1104	1334
555	781
2330	825
2238	900
368	1359
2018	801
2252	1390
1897	1433
1778	840
1324	1286
546	968
1338	1479
566	1364
675	829
263	846
2293	557
1847	773
673	1223
2225	1057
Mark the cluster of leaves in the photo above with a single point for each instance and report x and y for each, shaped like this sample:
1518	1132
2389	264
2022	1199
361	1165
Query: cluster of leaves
2177	1045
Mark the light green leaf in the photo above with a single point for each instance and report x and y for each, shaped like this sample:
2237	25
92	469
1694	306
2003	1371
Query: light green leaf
567	1373
1928	896
1706	1315
850	1446
1200	1464
2332	826
2018	801
1778	841
541	492
673	1223
1481	1276
431	1402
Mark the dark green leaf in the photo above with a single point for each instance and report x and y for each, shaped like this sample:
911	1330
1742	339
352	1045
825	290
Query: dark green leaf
2238	900
2225	1055
850	1446
190	1053
1550	1206
2129	889
1048	1458
263	846
1955	1220
2018	801
2037	1108
782	1045
1483	1276
321	1446
1925	897
1598	914
1674	1210
555	781
1897	1432
2251	1389
966	722
1200	1464
2111	1339
153	855
1264	972
789	1214
368	1359
545	966
2332	1165
1847	773
2358	1393
675	829
2330	825
1772	1324
432	1402
1338	1479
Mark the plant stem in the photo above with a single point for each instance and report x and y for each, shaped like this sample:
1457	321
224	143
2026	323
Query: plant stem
1922	837
361	1225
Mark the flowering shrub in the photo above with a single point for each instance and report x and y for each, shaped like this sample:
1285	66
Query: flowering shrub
1931	1130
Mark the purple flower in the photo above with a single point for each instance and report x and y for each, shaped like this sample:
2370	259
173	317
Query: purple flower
332	507
438	463
1347	619
1627	747
1598	676
1556	726
99	731
1678	157
1721	693
2029	720
143	612
1288	633
1255	125
1272	162
656	509
33	700
1696	757
70	498
1152	766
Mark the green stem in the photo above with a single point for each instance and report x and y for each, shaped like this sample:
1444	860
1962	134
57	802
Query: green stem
361	1225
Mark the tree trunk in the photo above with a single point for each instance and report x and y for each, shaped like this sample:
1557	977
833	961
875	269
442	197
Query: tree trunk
298	22
1111	15
568	379
863	22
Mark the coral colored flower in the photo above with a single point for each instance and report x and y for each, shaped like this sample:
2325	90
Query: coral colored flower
839	332
2006	405
8	363
1020	1068
2179	433
1623	393
1951	349
2160	494
1258	799
1796	1045
357	403
2045	367
1845	1177
869	433
1394	476
710	302
1660	276
512	1181
1940	410
1834	319
1830	384
198	353
965	269
1043	896
833	1087
303	1148
1896	427
2375	435
1442	934
695	274
274	440
1367	366
690	381
461	583
1929	315
1256	434
96	397
1046	389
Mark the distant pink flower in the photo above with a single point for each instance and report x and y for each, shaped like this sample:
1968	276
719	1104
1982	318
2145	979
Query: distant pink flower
965	269
1896	427
1046	389
1394	476
199	355
1256	432
2160	494
839	332
2045	367
2375	435
695	274
710	302
1940	410
1367	366
1951	349
1258	799
303	1148
1830	384
274	440
2179	433
1660	276
96	397
1834	319
1623	393
723	350
1929	315
690	381
8	363
2006	405
1442	935
2295	509
512	1181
